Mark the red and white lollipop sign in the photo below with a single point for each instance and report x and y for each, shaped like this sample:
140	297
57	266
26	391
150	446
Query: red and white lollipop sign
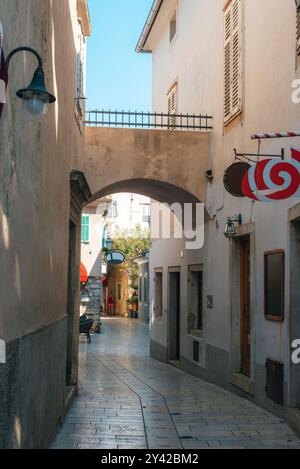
266	181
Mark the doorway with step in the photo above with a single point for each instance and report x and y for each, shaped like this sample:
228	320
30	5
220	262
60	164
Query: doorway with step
245	292
242	270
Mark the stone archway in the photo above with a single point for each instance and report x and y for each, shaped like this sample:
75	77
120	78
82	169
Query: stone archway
168	166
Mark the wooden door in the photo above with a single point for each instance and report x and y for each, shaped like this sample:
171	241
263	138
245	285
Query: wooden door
245	307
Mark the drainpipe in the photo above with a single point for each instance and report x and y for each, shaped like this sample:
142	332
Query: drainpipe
148	25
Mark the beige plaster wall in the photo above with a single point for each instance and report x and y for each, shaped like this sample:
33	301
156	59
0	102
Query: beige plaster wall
195	61
35	163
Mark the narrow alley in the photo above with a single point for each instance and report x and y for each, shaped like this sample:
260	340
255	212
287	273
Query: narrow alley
128	400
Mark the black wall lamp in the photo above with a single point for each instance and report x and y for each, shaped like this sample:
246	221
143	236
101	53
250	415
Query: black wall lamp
230	230
35	97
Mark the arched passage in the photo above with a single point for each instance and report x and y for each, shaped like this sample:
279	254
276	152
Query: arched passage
158	190
168	166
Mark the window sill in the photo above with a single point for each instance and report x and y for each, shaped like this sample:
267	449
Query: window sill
235	119
196	333
172	42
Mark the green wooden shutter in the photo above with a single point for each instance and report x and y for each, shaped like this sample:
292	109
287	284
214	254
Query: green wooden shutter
85	229
82	228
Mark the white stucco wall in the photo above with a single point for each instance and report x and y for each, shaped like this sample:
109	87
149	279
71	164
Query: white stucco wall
195	61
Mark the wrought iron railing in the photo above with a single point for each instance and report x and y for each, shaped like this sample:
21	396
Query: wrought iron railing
148	120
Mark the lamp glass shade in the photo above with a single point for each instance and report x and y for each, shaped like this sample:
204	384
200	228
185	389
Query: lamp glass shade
115	257
35	104
36	97
109	244
230	230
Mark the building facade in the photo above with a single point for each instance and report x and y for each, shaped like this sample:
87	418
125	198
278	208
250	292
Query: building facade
143	287
101	219
211	309
40	215
96	219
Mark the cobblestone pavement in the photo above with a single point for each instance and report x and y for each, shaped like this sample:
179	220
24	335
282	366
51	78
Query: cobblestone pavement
127	400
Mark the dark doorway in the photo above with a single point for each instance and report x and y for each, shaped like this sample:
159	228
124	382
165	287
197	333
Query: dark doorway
174	316
294	382
72	285
245	285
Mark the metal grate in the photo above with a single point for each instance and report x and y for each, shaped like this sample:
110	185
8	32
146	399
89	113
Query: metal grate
148	120
275	381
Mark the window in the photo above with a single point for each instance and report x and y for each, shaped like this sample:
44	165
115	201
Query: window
81	70
146	210
298	27
119	293
173	27
233	60
158	293
146	288
172	106
195	320
274	285
140	289
113	210
85	229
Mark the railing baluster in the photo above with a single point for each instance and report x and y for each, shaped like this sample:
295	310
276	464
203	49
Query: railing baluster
148	120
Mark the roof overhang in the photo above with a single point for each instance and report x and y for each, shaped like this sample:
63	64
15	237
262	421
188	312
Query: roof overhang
84	17
142	258
156	6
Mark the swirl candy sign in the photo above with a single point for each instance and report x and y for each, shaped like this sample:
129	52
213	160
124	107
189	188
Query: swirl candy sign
266	181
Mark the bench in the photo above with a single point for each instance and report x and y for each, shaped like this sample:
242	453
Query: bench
85	326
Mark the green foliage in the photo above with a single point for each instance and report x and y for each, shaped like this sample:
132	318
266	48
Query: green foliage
132	243
134	299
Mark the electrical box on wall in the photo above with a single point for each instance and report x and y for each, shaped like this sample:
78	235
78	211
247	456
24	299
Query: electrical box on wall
275	381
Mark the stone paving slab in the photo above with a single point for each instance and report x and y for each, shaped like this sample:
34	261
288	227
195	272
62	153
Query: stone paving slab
128	400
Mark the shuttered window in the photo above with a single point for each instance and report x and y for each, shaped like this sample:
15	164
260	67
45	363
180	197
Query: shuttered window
172	106
298	29
233	60
81	70
85	229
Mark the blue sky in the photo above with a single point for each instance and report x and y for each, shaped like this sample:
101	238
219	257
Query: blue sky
118	77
